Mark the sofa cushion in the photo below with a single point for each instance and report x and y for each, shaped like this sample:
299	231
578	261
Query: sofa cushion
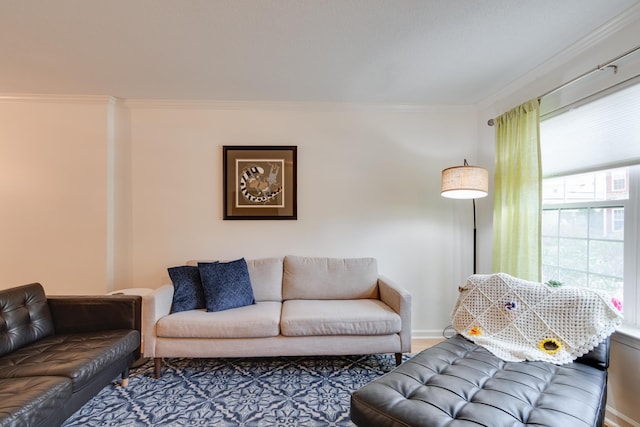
226	285
266	278
253	321
79	357
32	401
24	317
338	317
187	288
329	278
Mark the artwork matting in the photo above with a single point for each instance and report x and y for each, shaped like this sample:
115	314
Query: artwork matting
259	182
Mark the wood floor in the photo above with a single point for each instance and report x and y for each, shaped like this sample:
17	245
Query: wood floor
419	344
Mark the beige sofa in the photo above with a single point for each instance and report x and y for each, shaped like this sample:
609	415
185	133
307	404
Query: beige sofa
304	306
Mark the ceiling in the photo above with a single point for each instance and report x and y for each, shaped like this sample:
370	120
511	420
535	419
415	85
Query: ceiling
430	52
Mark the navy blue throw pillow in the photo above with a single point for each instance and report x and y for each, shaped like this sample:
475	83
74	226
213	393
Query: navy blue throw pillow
187	288
226	285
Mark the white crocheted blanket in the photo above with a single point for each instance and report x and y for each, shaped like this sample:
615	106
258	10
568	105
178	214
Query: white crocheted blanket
519	320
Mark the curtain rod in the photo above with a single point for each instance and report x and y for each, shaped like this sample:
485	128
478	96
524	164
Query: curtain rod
608	64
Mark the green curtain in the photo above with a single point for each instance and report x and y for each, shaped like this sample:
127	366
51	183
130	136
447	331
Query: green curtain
517	217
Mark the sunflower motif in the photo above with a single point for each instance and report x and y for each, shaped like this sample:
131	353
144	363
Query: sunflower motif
475	331
550	345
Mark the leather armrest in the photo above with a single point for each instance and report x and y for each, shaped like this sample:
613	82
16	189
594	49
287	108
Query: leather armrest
74	314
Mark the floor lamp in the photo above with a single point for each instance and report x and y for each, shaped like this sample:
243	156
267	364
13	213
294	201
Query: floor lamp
466	182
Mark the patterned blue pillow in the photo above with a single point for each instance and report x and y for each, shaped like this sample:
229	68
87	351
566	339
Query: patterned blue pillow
187	288
226	285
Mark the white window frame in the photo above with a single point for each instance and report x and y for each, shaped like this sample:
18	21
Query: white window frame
632	250
631	273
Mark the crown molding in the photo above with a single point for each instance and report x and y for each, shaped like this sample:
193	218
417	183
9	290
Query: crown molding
58	98
292	106
196	104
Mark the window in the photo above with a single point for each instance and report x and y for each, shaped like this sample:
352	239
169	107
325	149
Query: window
591	197
617	219
618	181
583	231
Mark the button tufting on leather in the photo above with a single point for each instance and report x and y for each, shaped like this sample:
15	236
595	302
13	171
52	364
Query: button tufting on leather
476	387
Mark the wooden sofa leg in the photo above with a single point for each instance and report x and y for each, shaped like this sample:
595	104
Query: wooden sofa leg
398	359
124	378
157	363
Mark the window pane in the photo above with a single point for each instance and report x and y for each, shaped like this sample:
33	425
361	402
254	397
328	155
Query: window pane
606	223
550	222
606	257
605	185
617	215
553	190
574	223
580	187
573	278
573	254
550	272
550	250
612	285
619	180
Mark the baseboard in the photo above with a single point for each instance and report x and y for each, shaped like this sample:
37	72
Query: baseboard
427	334
614	418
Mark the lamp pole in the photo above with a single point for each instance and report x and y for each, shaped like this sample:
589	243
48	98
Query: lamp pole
474	236
466	182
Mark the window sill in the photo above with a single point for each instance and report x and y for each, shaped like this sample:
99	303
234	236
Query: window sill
628	335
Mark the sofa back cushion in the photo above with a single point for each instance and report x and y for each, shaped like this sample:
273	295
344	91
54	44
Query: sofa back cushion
24	317
265	275
329	278
266	278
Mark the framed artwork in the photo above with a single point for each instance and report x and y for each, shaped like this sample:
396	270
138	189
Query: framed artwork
260	182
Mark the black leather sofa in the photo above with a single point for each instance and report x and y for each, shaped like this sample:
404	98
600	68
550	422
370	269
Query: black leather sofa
458	383
56	353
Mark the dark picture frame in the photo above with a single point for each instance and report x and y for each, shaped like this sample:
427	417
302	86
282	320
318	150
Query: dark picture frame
260	182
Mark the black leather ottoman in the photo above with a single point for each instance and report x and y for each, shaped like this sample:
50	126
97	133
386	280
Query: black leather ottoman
458	383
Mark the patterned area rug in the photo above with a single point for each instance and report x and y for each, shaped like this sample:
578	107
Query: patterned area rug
295	391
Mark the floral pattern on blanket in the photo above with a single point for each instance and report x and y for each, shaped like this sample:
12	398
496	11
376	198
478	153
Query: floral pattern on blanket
520	320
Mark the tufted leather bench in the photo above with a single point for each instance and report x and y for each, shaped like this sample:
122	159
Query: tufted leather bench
458	383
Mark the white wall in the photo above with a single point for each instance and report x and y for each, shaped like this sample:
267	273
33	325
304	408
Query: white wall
368	185
99	194
622	398
53	182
